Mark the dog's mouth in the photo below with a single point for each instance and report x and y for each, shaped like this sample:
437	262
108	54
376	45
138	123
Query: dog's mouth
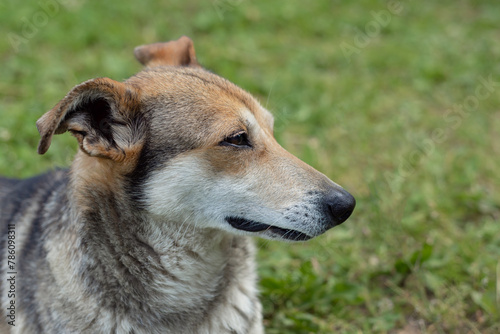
252	226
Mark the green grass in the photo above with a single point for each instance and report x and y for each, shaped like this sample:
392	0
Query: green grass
421	253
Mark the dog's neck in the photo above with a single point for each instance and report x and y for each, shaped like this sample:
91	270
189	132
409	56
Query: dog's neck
162	274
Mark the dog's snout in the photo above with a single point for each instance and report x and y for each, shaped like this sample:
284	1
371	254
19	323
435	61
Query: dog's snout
339	205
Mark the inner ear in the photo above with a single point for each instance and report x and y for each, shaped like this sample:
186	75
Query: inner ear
97	114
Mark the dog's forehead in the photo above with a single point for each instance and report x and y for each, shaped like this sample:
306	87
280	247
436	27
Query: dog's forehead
198	91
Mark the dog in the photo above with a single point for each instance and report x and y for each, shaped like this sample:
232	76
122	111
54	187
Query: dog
149	231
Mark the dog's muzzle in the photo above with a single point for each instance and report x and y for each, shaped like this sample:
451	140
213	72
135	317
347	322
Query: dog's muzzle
336	206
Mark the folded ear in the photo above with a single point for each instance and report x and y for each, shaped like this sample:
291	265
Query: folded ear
173	53
102	115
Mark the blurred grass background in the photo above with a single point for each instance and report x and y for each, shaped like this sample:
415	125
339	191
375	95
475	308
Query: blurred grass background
387	98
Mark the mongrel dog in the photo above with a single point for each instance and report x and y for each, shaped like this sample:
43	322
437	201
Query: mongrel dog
148	232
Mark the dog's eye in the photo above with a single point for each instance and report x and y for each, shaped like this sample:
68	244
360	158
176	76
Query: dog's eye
238	140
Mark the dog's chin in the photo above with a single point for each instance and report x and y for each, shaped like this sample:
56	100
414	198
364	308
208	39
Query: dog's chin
267	231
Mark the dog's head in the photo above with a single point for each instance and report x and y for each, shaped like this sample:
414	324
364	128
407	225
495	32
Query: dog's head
196	149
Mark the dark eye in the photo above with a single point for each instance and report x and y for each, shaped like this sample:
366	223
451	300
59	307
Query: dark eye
238	140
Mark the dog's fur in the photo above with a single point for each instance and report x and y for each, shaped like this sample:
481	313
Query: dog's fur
148	231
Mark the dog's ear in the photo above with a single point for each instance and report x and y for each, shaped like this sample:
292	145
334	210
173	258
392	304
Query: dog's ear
173	53
102	115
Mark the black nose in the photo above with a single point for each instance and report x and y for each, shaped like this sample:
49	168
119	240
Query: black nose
339	205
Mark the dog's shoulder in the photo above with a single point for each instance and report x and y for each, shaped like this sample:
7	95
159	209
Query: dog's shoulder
17	195
6	184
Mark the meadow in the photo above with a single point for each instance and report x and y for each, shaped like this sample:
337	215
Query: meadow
397	101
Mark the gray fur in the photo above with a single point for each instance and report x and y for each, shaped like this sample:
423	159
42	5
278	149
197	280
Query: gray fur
110	279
